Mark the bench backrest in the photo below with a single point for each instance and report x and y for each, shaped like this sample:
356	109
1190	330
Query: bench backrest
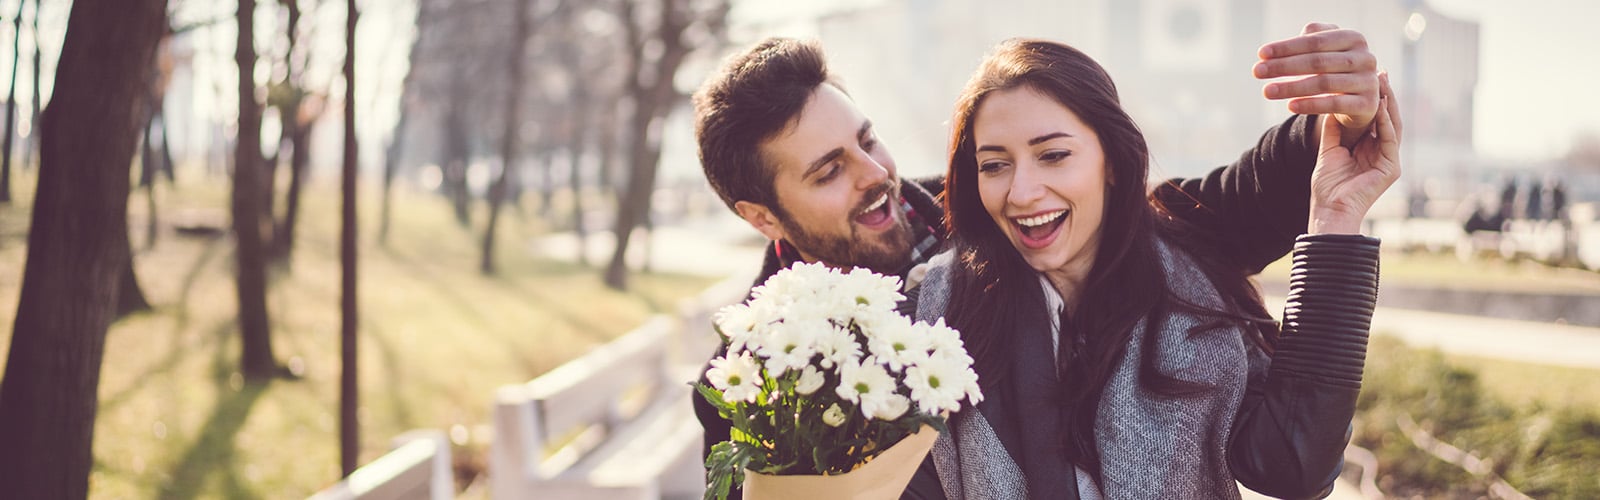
418	468
592	390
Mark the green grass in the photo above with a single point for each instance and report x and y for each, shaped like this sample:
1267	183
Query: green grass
436	339
1538	425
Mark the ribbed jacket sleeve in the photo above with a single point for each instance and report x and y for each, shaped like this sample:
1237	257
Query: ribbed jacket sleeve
1252	209
1292	429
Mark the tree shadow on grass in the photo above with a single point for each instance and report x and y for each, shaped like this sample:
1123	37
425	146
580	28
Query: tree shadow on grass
175	355
394	375
192	276
214	450
583	326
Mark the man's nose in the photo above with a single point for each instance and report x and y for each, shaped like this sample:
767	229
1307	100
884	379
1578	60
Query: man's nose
870	173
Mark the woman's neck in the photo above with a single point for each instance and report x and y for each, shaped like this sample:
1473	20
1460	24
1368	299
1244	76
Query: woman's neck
1068	281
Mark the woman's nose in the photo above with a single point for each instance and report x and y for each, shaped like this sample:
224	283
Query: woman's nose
1026	187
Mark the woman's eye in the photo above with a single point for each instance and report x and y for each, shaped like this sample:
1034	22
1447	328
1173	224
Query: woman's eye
1054	156
991	166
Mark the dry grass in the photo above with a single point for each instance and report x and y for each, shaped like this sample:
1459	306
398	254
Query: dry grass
436	338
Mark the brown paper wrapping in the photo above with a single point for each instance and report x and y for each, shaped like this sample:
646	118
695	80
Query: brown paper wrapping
885	477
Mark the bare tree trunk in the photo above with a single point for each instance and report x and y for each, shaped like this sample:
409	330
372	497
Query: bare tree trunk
391	163
33	138
349	432
652	101
147	177
396	146
77	247
580	126
256	360
130	298
11	107
298	135
299	159
608	148
547	186
511	133
457	152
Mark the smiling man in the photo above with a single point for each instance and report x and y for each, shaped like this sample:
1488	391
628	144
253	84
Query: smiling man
786	148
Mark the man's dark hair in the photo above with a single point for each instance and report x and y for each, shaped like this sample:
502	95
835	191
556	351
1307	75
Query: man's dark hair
755	95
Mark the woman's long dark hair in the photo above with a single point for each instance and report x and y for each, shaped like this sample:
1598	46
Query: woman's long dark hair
993	287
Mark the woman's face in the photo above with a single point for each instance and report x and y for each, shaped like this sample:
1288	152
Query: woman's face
1042	178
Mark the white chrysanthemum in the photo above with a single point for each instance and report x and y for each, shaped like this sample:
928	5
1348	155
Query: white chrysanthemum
838	346
738	378
898	343
939	382
810	380
738	322
867	384
834	416
798	283
891	407
810	311
790	344
942	338
869	290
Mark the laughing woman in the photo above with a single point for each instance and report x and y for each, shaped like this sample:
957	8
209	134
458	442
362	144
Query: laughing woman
1122	358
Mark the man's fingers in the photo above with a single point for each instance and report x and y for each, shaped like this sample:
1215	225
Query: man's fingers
1322	41
1330	104
1334	83
1317	27
1315	63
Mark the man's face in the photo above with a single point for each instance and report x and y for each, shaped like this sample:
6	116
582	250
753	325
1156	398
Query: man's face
837	193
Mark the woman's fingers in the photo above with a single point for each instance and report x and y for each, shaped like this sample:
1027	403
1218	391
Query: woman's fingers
1392	103
1332	104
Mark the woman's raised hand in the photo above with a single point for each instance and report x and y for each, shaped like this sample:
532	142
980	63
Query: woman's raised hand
1348	180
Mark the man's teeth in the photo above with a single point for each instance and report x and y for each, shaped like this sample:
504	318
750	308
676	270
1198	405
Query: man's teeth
877	204
1041	219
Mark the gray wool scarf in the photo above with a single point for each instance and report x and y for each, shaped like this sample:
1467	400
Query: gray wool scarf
1151	445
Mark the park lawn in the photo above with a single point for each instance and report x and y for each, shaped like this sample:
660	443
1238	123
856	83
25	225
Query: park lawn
1421	269
436	339
1516	383
1538	424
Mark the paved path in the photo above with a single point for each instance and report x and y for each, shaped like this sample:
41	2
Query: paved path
719	245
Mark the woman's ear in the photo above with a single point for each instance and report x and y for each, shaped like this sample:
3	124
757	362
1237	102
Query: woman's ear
761	218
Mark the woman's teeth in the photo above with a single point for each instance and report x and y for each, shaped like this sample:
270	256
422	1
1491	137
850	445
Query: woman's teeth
1041	219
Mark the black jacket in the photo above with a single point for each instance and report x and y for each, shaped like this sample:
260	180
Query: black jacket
1255	208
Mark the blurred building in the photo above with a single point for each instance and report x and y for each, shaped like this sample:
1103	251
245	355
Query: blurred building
1183	68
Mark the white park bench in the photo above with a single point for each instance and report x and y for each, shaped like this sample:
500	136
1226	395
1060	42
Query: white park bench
615	423
417	469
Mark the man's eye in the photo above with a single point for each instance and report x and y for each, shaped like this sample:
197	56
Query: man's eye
833	171
869	145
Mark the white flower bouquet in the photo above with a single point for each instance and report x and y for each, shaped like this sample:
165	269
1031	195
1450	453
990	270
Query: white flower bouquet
822	376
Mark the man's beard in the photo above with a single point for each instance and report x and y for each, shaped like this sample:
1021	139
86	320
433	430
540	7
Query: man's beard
886	253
